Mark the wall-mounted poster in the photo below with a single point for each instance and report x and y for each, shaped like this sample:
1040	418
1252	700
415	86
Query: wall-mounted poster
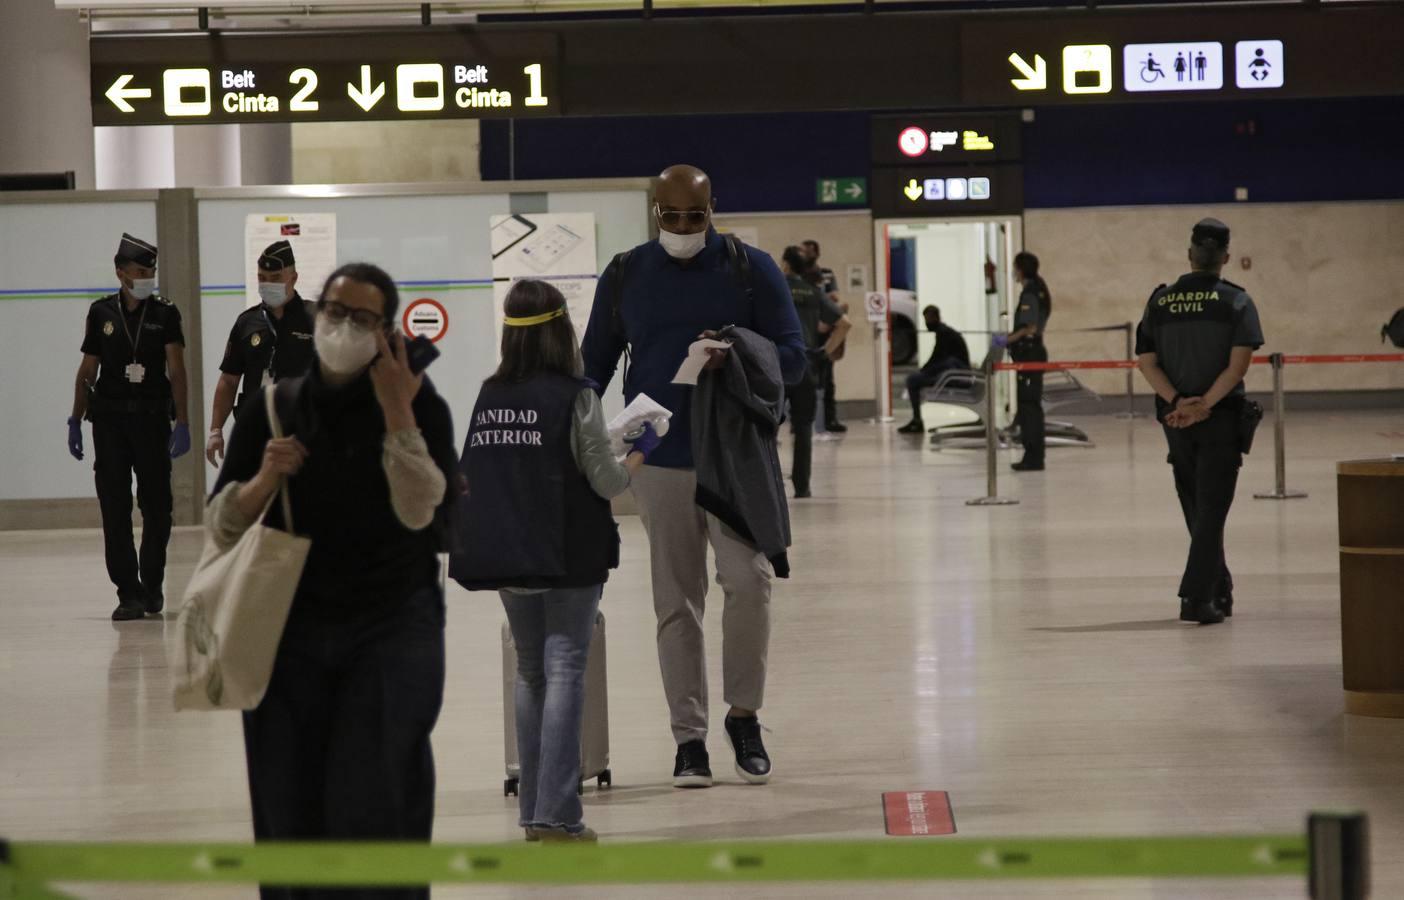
555	247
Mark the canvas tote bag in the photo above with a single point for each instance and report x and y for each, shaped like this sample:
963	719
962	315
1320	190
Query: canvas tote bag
227	635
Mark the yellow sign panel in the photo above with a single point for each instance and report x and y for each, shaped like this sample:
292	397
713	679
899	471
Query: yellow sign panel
1087	69
974	140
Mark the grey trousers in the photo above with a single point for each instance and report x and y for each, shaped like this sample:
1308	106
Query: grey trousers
678	535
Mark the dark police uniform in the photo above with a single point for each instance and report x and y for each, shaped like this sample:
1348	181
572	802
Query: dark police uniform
131	408
265	345
1033	301
812	306
530	519
1192	326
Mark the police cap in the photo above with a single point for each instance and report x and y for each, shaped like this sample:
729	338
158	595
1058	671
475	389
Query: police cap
1210	232
135	250
277	257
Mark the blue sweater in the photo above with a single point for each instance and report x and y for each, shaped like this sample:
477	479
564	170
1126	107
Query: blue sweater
666	305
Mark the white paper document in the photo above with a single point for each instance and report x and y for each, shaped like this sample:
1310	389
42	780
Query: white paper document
644	409
697	359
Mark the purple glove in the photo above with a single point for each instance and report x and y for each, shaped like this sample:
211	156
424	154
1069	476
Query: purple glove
180	440
1000	340
647	441
75	437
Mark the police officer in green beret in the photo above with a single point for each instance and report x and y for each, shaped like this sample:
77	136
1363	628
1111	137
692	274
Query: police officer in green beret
130	385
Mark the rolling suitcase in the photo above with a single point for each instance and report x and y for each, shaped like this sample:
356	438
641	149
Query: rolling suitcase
594	729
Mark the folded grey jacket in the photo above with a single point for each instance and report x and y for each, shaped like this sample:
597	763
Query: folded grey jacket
736	415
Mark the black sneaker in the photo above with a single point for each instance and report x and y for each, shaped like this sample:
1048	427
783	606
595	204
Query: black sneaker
1225	604
154	602
127	612
915	426
1022	466
693	768
752	762
1206	612
837	428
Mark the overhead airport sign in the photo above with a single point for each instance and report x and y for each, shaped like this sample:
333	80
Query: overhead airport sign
1082	59
944	138
479	82
947	191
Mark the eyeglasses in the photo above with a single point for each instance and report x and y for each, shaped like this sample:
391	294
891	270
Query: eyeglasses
364	319
681	216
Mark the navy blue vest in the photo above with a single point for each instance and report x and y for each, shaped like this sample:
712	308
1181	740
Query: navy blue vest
530	518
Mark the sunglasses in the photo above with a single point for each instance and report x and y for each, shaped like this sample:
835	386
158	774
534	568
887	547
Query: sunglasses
363	319
681	216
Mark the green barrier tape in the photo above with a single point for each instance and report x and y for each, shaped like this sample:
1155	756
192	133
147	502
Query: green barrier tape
383	864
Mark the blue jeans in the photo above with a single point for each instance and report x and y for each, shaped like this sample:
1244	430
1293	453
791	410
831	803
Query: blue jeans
552	633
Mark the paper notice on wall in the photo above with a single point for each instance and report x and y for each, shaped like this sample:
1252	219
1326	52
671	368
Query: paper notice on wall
558	248
313	239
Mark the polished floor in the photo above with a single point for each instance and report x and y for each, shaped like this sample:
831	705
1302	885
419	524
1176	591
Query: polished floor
1026	659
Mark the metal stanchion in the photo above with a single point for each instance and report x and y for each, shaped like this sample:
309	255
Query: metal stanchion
1338	846
1131	412
991	497
1279	415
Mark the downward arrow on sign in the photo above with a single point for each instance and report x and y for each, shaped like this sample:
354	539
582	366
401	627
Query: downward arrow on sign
364	96
1035	76
913	190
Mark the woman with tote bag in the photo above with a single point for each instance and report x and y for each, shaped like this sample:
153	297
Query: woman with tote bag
339	748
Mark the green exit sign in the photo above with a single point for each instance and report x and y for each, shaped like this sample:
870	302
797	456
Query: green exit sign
841	191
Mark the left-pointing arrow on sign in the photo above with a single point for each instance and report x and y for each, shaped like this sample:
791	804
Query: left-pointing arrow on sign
119	93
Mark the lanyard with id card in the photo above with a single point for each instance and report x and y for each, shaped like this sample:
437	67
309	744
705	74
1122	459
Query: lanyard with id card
135	371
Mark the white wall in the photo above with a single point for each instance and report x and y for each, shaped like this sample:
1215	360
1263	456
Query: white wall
845	239
46	119
1325	277
55	260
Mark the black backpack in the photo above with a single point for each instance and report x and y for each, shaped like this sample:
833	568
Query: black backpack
740	272
1394	330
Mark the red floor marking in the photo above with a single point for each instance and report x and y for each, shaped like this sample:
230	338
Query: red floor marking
918	813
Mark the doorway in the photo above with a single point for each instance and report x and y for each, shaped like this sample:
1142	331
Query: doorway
965	267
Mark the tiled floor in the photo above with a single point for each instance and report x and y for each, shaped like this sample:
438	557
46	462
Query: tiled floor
1026	659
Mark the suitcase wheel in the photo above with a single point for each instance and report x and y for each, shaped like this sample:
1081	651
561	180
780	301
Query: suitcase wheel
605	780
509	787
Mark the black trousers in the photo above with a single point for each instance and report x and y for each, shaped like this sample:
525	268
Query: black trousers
804	401
826	384
339	748
927	377
124	443
1206	459
1028	396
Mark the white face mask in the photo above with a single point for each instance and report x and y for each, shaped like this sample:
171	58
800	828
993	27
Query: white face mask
142	288
342	347
682	246
273	293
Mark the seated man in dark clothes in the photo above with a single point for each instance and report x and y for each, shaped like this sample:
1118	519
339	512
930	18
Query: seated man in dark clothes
949	353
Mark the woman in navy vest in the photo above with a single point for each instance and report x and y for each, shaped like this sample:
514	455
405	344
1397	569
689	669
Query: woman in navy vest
535	525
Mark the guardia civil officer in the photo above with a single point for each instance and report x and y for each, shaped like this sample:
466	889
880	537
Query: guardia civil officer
130	385
268	342
1194	345
1026	345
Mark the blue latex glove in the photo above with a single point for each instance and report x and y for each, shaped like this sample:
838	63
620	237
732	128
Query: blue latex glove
646	442
1001	340
180	440
75	437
